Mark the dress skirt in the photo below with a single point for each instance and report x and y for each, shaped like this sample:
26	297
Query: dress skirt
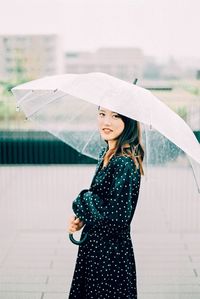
105	266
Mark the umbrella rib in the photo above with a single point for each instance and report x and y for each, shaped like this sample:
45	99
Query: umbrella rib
88	141
24	97
194	174
52	99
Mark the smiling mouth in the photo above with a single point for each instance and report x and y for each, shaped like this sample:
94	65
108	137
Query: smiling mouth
107	130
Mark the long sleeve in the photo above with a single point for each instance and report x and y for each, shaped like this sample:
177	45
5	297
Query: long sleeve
120	195
88	207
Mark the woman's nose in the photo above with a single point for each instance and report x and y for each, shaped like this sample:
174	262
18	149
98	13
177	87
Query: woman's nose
107	120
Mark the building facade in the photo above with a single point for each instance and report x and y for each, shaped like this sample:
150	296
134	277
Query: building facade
124	63
29	56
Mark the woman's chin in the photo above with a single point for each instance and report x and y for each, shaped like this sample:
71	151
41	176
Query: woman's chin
106	138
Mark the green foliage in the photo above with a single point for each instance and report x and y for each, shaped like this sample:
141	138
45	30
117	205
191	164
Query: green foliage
182	112
7	102
6	86
7	110
195	90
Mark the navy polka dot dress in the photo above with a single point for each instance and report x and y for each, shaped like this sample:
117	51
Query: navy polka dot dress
105	265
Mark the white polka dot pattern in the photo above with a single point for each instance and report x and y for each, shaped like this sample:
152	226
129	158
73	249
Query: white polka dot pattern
105	266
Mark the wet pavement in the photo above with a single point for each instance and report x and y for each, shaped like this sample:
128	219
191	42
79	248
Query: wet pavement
37	258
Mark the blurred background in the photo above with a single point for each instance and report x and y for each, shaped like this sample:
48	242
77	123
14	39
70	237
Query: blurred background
154	41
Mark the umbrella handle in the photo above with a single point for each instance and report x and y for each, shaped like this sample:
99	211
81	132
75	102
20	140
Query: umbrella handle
76	242
135	81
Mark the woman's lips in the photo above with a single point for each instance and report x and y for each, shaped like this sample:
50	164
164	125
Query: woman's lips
107	131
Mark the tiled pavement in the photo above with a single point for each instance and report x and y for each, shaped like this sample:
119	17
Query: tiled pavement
39	264
37	259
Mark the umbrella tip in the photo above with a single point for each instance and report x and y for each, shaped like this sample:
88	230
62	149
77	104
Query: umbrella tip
135	81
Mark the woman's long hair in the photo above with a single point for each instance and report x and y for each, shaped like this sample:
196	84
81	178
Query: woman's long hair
129	143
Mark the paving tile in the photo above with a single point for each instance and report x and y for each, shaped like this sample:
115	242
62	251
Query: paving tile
169	288
167	279
160	258
34	251
26	264
57	279
55	296
59	264
36	271
163	272
20	295
32	287
23	278
195	258
169	296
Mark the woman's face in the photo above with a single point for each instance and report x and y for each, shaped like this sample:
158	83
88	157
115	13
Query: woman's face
110	124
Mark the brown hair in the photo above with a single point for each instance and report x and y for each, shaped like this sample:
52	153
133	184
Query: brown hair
129	143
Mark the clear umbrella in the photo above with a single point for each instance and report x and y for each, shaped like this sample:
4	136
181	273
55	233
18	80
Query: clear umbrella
66	106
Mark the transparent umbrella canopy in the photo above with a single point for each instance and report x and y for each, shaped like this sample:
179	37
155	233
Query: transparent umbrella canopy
66	106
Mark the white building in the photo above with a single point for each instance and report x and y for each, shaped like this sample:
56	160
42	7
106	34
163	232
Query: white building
124	63
31	56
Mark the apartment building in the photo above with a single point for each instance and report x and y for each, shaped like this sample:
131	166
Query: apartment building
124	63
30	56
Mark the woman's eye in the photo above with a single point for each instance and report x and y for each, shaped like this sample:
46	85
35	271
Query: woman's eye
101	113
116	115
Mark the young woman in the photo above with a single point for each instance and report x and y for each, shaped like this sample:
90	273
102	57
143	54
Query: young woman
105	266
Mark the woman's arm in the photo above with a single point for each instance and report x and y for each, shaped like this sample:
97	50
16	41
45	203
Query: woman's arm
123	191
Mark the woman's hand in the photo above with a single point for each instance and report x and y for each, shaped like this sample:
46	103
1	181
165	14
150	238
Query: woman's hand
75	225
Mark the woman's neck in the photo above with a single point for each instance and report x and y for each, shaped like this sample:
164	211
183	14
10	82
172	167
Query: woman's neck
111	144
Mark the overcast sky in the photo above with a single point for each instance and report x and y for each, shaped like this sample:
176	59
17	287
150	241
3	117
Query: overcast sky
160	27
